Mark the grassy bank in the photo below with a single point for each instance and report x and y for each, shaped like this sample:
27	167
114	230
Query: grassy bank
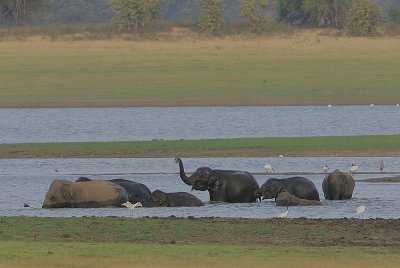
383	179
211	242
302	69
385	145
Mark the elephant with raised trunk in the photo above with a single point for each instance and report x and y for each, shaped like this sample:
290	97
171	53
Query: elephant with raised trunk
298	186
223	185
179	199
338	186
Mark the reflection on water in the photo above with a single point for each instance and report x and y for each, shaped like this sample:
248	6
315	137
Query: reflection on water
172	123
27	181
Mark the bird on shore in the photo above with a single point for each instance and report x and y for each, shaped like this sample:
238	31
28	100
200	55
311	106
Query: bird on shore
269	169
381	165
281	156
360	211
353	168
325	169
131	206
284	214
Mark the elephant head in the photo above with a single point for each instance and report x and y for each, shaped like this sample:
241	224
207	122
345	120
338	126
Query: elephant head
203	179
159	198
270	189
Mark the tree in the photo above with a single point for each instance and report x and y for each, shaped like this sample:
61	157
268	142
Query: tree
65	11
135	15
211	19
394	14
18	11
290	11
362	18
329	13
255	12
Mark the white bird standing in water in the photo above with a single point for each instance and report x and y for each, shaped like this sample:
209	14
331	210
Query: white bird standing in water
325	169
284	214
132	206
268	168
360	211
381	165
353	168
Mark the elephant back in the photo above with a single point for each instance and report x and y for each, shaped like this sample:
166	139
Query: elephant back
338	186
97	193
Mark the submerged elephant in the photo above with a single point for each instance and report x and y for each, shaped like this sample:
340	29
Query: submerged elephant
91	194
223	185
338	186
298	186
137	192
287	199
179	199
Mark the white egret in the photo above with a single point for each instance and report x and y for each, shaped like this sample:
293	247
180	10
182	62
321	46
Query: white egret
325	169
269	169
360	211
353	168
381	165
131	206
284	214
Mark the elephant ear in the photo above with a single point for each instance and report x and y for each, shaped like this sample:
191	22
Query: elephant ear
277	187
213	184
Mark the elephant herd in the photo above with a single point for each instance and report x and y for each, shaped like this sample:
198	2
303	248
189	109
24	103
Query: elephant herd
222	185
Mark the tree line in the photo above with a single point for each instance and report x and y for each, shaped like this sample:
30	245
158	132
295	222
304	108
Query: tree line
358	17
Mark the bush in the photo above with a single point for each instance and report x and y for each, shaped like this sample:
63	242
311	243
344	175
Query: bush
362	18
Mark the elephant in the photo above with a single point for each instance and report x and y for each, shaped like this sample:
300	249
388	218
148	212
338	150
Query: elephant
223	185
179	199
287	199
298	186
137	192
338	185
91	194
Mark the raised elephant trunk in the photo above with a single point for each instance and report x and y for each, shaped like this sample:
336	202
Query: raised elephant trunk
185	179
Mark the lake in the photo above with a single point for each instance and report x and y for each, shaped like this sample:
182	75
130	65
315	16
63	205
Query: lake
27	181
174	123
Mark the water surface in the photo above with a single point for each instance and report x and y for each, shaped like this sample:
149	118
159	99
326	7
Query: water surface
172	123
27	181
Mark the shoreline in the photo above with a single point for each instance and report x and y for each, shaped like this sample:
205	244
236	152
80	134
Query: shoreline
222	103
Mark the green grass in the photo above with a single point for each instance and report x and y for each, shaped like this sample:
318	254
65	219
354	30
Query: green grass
83	254
335	145
382	180
213	242
304	69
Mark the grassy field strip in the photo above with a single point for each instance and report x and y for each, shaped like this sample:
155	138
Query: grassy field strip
384	145
302	69
86	254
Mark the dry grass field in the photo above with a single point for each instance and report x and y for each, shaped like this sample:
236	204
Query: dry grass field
300	69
